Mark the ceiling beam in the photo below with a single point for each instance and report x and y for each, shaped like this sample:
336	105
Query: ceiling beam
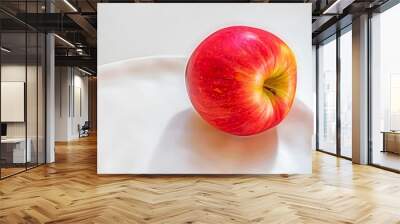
84	24
81	61
337	6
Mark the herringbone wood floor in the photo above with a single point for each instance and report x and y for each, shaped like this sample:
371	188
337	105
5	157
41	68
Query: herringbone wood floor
70	191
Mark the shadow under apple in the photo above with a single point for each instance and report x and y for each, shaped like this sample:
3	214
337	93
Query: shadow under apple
204	149
191	145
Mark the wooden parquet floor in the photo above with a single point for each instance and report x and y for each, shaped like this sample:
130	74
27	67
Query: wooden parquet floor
70	191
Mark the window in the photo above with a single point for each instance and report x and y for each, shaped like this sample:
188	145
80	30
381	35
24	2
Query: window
385	89
327	97
346	93
333	137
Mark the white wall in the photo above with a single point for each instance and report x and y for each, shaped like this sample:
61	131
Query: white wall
61	103
69	82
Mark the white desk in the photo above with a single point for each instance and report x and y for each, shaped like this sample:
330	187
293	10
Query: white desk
19	149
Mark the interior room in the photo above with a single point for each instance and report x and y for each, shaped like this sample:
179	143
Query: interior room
159	111
22	102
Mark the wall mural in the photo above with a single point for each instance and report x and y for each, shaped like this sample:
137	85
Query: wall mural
242	80
225	98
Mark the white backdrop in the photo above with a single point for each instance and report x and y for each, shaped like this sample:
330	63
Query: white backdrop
146	123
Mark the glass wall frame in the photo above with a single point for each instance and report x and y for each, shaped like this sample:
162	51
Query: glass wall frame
327	95
345	99
23	60
383	87
337	85
375	139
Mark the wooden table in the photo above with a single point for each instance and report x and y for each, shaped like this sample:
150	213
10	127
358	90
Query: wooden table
391	141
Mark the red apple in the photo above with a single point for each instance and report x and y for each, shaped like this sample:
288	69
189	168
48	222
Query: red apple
242	80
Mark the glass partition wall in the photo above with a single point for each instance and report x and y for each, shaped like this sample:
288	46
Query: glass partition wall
346	74
327	96
334	80
22	89
385	90
13	85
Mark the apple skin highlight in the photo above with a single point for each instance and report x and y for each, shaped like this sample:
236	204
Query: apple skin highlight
242	80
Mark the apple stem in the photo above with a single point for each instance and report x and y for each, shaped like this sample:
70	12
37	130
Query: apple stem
266	88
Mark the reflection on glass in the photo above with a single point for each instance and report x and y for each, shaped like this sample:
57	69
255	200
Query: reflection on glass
346	93
13	85
386	89
327	97
22	91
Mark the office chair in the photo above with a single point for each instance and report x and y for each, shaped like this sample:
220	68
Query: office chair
84	130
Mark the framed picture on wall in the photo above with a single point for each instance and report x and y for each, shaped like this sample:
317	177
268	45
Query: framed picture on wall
204	88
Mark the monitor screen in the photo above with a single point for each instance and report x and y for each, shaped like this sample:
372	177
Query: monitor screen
3	129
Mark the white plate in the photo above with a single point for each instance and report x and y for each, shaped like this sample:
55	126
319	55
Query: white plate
147	125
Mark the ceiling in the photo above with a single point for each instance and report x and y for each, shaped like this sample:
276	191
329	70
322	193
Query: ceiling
75	21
